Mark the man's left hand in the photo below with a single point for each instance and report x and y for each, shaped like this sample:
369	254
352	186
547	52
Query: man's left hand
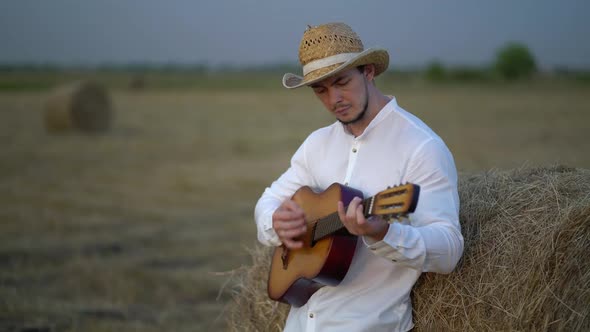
356	223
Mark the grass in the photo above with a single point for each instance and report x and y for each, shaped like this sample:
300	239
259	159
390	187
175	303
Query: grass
130	230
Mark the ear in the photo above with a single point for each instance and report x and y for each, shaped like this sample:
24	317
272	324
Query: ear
369	71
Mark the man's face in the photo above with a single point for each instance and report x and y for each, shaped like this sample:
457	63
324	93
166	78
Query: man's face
344	95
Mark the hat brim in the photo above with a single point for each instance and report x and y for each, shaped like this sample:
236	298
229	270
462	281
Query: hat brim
377	56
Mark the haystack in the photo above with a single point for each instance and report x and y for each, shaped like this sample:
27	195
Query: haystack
83	106
526	264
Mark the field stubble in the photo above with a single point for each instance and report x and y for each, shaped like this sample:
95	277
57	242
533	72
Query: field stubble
128	230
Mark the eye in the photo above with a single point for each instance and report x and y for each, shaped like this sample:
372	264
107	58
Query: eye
342	82
319	90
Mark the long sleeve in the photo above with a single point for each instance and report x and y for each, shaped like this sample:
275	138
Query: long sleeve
280	190
432	240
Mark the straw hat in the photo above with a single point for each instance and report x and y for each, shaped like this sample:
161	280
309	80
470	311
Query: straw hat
331	48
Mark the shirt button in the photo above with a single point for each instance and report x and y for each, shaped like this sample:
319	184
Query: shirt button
354	150
311	315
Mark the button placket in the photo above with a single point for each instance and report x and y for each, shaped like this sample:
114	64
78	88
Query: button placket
311	321
355	145
352	160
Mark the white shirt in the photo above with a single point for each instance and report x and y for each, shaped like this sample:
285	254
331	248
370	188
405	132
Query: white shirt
395	148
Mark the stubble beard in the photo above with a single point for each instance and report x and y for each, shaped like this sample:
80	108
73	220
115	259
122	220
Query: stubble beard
362	113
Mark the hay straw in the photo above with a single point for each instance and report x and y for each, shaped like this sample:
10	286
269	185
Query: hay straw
525	266
250	308
84	106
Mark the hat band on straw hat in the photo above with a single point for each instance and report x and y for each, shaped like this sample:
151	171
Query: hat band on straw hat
319	69
325	62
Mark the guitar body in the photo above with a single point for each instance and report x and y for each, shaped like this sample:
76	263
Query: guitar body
296	276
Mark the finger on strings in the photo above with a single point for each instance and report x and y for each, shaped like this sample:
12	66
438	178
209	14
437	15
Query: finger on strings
352	207
360	216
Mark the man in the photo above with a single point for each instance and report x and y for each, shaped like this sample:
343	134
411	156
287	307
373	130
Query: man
373	145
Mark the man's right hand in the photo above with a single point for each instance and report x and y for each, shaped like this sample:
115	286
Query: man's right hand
288	221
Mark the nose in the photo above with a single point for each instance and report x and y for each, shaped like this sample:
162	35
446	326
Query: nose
334	96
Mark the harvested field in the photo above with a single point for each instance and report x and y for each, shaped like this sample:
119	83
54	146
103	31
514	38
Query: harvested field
138	229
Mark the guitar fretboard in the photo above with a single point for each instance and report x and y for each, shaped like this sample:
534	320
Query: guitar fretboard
331	223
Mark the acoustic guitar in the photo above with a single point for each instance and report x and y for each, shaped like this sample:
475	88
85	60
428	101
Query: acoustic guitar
296	274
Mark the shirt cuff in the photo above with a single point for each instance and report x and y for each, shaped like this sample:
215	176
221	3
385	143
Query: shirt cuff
402	244
268	233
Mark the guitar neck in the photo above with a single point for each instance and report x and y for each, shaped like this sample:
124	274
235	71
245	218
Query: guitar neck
331	223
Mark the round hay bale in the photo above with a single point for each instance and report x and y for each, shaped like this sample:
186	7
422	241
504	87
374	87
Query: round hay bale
525	265
83	106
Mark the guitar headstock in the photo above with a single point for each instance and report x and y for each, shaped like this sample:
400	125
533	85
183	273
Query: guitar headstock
395	202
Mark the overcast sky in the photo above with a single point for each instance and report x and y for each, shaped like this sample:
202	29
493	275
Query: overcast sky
257	32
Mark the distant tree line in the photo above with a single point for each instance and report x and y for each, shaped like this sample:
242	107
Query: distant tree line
514	61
